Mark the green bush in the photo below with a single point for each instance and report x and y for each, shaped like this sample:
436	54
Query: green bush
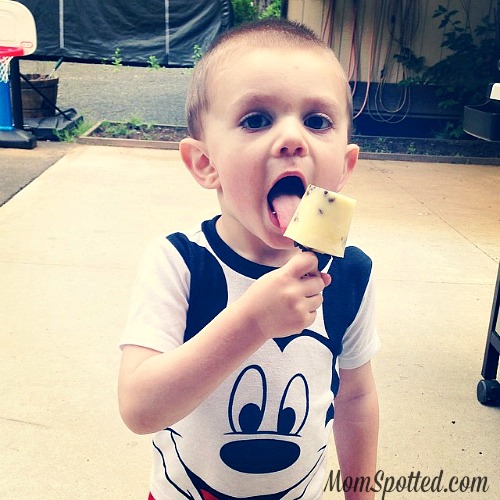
464	74
272	10
244	10
472	62
248	10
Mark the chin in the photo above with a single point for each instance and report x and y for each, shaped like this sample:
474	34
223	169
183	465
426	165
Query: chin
281	245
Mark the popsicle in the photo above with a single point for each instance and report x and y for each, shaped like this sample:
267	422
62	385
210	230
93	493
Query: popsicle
321	221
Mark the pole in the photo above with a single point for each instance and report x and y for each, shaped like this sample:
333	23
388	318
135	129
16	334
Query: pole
15	86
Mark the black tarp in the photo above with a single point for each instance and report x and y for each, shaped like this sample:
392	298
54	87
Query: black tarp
92	30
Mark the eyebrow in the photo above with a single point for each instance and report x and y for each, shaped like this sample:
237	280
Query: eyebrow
314	103
325	102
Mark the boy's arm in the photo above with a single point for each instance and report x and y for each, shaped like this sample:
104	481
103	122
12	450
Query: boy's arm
156	389
356	427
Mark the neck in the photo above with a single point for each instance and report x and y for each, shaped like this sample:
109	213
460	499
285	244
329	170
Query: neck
251	247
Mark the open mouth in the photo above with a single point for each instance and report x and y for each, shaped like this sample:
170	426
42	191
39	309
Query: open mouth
283	199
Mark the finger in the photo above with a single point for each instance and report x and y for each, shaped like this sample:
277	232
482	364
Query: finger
305	263
312	285
314	303
312	317
327	279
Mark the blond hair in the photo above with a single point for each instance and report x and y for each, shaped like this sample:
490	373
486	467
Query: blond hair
269	33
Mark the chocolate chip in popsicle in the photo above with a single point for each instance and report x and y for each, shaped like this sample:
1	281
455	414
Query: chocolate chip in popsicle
321	221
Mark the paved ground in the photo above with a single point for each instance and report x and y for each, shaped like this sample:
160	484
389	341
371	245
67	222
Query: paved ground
71	241
19	167
97	92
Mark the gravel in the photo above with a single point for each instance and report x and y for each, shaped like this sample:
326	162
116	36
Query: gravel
118	93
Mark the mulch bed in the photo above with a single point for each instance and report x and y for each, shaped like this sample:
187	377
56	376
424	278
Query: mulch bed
459	149
468	148
143	131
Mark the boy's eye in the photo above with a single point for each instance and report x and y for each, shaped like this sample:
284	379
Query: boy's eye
318	122
255	121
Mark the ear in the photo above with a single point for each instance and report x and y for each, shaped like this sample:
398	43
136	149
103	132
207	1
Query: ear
195	157
350	160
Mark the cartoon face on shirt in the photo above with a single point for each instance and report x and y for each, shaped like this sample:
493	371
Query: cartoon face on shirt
264	429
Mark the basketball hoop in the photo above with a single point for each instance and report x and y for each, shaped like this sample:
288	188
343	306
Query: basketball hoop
6	55
17	38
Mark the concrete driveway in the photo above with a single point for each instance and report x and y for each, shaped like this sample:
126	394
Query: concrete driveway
71	241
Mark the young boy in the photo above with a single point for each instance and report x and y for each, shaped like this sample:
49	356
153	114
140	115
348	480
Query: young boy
231	348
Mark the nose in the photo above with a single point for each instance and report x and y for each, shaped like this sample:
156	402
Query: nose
290	139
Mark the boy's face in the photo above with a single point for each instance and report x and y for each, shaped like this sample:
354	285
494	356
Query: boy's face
274	113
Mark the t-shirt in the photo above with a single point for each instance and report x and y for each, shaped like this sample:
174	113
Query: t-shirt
263	432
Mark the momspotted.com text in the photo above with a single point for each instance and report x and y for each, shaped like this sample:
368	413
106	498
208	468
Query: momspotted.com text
414	482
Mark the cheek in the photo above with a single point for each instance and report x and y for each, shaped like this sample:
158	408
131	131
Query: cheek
331	171
237	171
331	178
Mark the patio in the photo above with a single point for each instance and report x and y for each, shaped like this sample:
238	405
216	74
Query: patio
71	241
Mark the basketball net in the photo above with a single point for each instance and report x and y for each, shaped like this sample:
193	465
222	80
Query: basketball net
4	68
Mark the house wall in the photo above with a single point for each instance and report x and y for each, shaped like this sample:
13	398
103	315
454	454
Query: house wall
366	34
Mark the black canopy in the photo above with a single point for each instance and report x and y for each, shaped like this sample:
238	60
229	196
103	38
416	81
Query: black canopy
92	30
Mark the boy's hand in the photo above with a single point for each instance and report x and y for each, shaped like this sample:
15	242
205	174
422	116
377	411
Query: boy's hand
158	389
284	301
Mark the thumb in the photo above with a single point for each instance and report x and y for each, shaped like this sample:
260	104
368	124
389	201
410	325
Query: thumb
327	279
304	263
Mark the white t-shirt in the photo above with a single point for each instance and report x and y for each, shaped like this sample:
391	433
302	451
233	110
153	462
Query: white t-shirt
263	433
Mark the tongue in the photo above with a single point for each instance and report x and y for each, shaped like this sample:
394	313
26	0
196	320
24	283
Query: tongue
284	206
